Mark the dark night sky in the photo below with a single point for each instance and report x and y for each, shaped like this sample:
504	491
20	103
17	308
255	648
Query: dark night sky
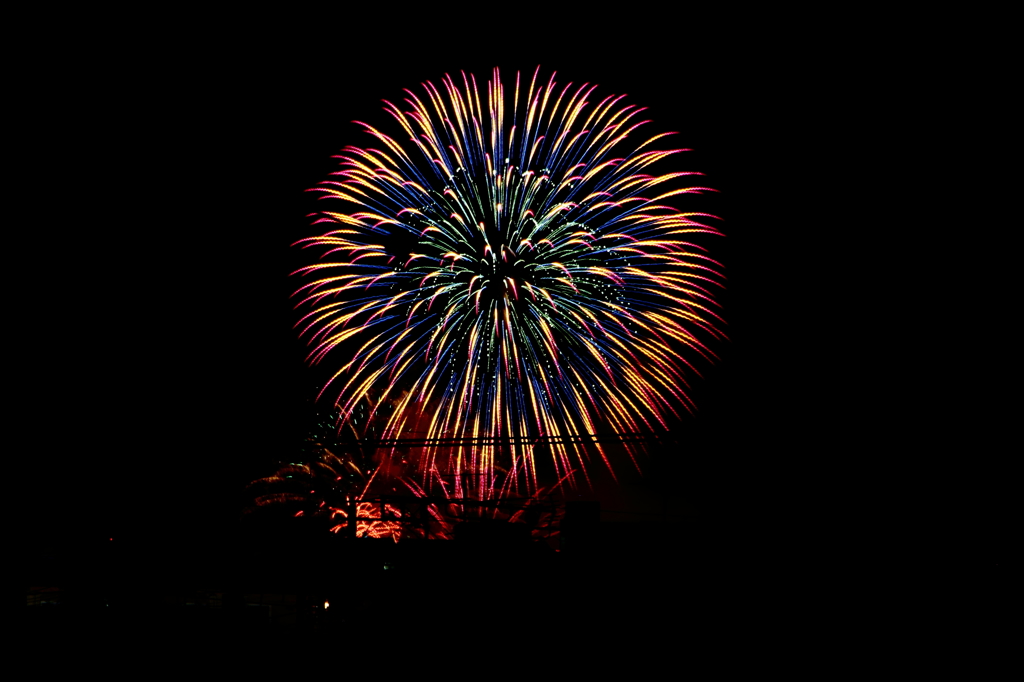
175	376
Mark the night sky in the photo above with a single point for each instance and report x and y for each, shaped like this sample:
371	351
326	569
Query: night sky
170	375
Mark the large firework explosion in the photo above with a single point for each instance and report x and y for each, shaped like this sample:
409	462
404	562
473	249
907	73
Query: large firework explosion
509	265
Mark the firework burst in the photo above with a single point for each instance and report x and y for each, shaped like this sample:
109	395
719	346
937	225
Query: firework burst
508	265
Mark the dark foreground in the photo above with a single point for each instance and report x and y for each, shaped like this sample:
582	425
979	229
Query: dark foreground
630	592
